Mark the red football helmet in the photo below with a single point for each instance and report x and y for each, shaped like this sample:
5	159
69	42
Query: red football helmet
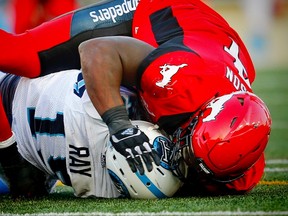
225	137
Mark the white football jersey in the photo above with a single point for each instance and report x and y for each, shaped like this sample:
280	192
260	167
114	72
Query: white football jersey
2	75
59	131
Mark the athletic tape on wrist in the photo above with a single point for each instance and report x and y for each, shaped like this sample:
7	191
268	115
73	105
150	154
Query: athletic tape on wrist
116	119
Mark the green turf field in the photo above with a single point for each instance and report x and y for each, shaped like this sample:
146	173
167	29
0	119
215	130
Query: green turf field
270	197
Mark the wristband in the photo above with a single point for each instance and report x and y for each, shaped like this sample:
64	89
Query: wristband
116	119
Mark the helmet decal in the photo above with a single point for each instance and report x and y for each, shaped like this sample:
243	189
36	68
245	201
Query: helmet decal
168	71
119	184
216	106
163	145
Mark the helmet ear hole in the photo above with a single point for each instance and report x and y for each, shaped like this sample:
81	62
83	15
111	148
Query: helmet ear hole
203	137
148	184
241	100
233	122
256	148
159	170
121	171
133	189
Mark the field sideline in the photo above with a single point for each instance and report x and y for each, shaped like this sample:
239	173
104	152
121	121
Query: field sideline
270	197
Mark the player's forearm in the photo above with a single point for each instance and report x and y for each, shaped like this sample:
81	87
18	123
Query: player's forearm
101	68
107	63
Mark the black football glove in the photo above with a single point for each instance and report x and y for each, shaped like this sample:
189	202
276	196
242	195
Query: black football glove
133	144
129	141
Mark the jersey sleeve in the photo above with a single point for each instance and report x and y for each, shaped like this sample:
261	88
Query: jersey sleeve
250	178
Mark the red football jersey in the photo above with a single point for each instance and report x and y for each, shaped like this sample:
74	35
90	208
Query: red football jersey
198	56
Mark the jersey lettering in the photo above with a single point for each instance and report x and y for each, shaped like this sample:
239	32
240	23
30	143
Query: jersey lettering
233	50
234	80
80	161
111	13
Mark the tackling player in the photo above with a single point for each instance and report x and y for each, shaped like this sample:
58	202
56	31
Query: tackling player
194	75
187	56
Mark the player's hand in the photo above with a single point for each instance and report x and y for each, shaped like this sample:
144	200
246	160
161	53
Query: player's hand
133	144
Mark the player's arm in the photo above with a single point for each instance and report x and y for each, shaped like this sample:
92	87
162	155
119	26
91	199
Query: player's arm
53	46
106	64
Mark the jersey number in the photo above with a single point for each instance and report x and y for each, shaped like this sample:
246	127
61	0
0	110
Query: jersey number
50	127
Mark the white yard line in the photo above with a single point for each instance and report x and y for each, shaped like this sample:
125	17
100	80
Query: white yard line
277	161
224	213
276	169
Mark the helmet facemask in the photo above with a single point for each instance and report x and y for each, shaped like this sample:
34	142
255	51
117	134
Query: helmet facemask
182	156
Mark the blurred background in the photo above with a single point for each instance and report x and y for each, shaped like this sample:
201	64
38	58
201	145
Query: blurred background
262	24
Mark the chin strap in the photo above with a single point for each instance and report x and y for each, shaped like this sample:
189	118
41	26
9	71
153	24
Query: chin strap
228	179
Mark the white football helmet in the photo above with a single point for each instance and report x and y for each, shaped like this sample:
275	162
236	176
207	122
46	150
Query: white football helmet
159	183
